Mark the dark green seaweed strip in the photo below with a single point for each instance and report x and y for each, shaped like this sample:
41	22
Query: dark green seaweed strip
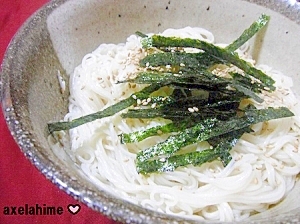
221	110
159	77
202	103
171	163
179	61
141	34
210	128
248	33
226	142
138	136
204	114
202	80
174	126
215	51
221	150
246	81
247	91
199	132
194	61
181	110
109	111
241	91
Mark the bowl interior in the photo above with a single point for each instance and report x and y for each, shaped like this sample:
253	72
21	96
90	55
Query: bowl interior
55	40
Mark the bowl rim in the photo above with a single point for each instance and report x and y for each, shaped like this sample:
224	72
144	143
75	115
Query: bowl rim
105	203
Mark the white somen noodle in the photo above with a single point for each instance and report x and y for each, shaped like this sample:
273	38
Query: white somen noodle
262	172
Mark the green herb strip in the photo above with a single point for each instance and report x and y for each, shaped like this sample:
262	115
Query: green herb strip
216	52
109	111
208	129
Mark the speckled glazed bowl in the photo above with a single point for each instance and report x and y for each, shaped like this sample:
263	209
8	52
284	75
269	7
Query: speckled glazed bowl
55	39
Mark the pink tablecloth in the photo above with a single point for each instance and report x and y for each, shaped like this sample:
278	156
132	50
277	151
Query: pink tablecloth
21	184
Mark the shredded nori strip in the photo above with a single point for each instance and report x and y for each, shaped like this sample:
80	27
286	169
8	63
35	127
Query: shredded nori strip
196	158
216	52
204	80
181	109
248	33
210	128
159	156
109	111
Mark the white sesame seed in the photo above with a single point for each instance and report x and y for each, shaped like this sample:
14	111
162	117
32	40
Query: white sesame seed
159	132
182	65
162	160
149	100
191	110
168	66
134	97
138	101
196	109
153	105
237	158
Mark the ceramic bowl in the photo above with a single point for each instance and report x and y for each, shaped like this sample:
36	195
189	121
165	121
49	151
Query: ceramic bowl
58	35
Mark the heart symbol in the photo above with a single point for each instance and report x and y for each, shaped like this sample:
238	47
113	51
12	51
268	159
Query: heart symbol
74	209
